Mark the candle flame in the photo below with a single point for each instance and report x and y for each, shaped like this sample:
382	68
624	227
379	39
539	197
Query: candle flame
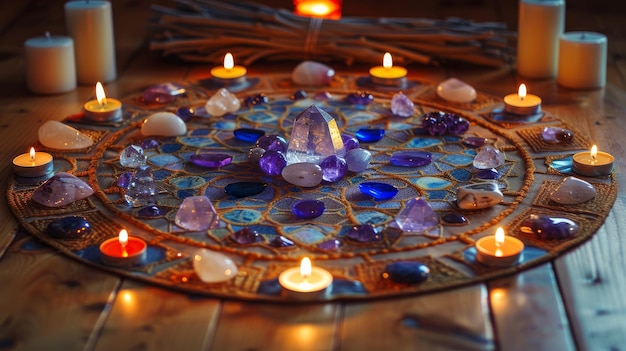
318	8
100	96
305	268
229	62
499	241
521	92
387	60
123	239
593	153
32	154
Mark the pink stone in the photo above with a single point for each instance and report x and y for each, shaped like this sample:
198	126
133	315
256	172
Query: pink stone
197	213
60	190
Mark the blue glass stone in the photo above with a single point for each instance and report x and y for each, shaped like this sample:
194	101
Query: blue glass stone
152	211
249	135
329	245
185	113
377	190
243	189
280	241
147	144
246	236
491	173
258	99
308	209
124	179
298	95
410	158
406	272
71	227
360	98
364	233
454	219
369	135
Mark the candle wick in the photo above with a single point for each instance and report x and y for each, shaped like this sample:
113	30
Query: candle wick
48	35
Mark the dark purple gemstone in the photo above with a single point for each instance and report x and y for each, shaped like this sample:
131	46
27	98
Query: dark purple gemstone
308	208
323	96
360	98
329	245
298	95
474	142
406	272
123	181
147	144
369	135
71	227
454	219
249	135
246	236
244	189
185	113
349	142
441	123
555	135
211	160
364	233
272	142
258	99
150	212
549	227
163	93
410	158
272	162
280	241
333	168
490	173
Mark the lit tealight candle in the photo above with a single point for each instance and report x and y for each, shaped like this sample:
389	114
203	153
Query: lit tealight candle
327	9
123	251
522	103
388	74
306	281
33	164
229	73
499	250
103	109
593	163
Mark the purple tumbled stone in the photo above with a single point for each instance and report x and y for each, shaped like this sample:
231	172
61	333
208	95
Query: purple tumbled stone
147	144
329	245
555	135
185	113
417	216
280	241
308	208
211	160
402	106
258	99
272	142
60	190
490	173
364	233
349	142
410	158
123	181
163	93
323	96
474	142
272	162
549	227
454	219
333	168
298	95
360	98
150	212
246	236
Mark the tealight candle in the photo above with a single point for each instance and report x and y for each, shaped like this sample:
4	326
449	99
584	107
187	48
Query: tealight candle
306	281
229	73
499	250
388	74
103	109
124	250
326	9
33	164
593	163
522	103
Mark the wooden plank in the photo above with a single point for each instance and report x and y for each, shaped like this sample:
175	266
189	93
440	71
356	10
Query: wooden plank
449	320
145	317
526	303
47	300
298	327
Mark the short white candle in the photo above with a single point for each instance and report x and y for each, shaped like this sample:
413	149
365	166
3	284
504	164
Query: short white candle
306	281
33	164
582	60
388	74
593	162
522	103
50	67
229	72
499	250
540	24
90	23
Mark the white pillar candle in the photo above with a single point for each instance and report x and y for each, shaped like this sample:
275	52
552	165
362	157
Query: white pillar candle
582	60
90	23
50	67
540	24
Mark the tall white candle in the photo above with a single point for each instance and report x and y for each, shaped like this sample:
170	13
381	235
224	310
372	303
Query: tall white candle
582	60
540	24
90	23
50	67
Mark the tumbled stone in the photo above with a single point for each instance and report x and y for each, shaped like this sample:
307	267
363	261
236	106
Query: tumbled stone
245	189
142	189
70	227
410	158
56	135
455	90
555	135
254	155
402	106
488	157
489	174
163	124
60	190
163	93
185	113
378	190
323	96
123	181
477	196
329	245
272	142
196	213
358	160
210	159
333	168
549	227
360	98
573	191
272	162
248	135
150	143
312	73
369	135
406	272
132	156
308	209
314	136
364	233
303	174
474	142
258	99
298	95
417	216
221	103
454	219
349	142
214	267
151	211
246	236
280	241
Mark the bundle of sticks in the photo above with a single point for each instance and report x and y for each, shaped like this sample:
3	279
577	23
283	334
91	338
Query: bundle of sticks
203	30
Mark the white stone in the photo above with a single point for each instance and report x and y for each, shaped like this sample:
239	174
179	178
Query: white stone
312	73
221	103
163	124
56	135
303	174
455	90
573	191
358	159
213	267
477	196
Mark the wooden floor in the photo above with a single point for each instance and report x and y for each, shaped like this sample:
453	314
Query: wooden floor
51	302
